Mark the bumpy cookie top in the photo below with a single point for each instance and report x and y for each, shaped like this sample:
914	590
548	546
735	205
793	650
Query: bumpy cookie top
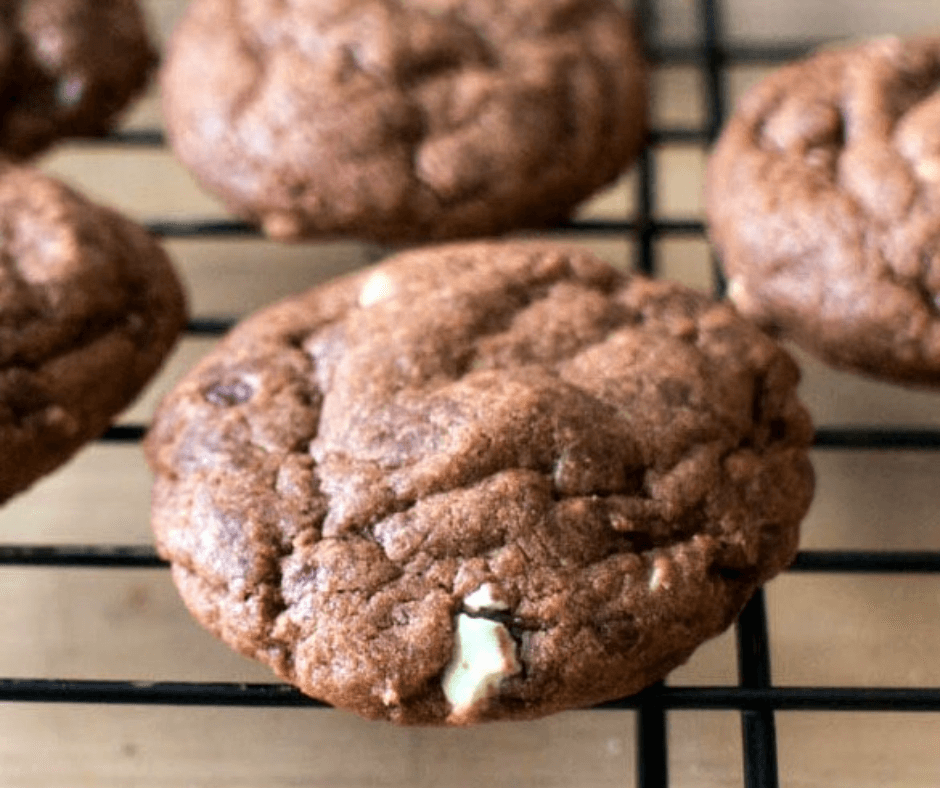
67	67
480	481
404	120
824	201
89	307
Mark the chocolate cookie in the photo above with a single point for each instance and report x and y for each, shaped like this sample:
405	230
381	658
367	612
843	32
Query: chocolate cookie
89	307
480	482
404	121
824	204
67	68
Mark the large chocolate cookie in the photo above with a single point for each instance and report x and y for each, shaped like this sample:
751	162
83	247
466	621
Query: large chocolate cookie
404	121
824	203
89	307
479	482
67	68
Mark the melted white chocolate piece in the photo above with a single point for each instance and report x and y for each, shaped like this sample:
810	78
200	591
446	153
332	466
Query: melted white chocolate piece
377	288
484	655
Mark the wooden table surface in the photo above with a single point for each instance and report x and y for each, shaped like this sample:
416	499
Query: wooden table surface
838	630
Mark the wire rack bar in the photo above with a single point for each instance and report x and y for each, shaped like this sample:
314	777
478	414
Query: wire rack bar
202	228
906	438
210	326
652	226
645	231
867	562
831	699
714	56
856	438
162	693
678	135
138	138
781	699
231	228
154	138
652	738
144	556
734	54
82	556
124	433
652	753
758	729
652	763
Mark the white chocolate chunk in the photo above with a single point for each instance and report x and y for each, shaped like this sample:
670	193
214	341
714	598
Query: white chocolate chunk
484	654
483	599
390	696
740	297
736	290
659	578
378	287
656	578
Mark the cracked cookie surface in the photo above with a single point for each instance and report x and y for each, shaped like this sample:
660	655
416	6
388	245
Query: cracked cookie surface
67	69
404	121
823	196
480	481
89	308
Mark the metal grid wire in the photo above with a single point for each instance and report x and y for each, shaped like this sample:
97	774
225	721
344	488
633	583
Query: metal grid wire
755	696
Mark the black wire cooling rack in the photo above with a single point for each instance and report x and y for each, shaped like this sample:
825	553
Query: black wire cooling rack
755	697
